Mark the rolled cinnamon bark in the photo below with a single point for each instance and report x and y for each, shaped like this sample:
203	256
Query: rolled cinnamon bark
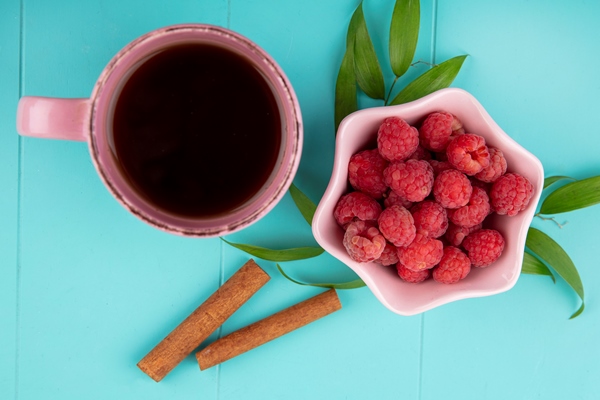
203	321
268	329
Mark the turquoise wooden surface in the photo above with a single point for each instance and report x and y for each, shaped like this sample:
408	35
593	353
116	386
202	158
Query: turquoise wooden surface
86	289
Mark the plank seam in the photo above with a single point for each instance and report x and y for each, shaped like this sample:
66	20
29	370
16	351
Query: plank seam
19	190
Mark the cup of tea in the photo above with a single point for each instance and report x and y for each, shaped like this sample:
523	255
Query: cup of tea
193	128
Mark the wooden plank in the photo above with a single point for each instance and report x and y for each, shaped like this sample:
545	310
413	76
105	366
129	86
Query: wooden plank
10	19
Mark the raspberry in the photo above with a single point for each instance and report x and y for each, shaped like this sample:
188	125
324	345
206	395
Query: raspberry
497	166
411	276
389	255
396	224
396	139
393	198
453	266
484	247
420	153
411	180
452	189
468	153
510	194
463	181
474	212
363	241
456	234
365	173
430	219
422	253
356	205
437	130
439	166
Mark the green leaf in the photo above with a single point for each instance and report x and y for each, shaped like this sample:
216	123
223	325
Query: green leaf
353	27
345	86
533	266
298	253
404	34
346	101
366	66
548	250
552	179
578	312
573	196
438	77
305	205
358	283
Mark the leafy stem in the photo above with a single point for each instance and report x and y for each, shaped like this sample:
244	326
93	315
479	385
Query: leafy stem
387	98
423	62
414	64
540	216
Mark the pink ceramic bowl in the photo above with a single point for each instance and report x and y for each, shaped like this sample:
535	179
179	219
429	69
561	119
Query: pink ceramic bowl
357	132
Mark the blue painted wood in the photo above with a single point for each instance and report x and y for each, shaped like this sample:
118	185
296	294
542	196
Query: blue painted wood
96	288
99	288
532	66
350	354
9	182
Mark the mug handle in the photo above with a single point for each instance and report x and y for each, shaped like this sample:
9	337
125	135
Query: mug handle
52	118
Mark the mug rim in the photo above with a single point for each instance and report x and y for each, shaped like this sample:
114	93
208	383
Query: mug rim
289	104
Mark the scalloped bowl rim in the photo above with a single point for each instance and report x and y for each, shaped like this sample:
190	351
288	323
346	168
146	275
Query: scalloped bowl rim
410	299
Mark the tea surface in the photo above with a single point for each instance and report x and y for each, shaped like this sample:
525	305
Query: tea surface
197	130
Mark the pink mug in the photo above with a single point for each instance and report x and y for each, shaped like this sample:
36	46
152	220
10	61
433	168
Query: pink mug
91	120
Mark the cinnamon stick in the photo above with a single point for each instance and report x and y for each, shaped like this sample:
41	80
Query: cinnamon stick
268	329
203	321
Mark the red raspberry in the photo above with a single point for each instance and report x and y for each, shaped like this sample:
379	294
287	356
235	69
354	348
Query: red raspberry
365	173
452	189
456	234
453	266
422	253
430	219
474	212
396	224
389	255
393	198
411	180
396	139
497	166
484	247
363	241
468	153
510	194
411	276
438	129
356	205
439	166
420	154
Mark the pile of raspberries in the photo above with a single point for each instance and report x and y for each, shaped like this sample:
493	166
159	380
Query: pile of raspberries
421	197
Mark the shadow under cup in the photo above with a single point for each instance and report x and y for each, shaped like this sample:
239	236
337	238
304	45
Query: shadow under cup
102	144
